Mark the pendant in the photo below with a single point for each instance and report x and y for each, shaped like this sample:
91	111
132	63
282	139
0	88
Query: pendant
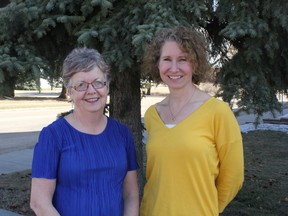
173	118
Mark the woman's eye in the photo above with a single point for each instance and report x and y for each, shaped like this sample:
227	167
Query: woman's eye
80	84
166	59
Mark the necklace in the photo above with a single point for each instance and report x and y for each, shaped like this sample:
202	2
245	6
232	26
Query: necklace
174	115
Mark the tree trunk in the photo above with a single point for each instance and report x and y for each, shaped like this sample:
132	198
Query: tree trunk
125	106
7	87
148	91
63	93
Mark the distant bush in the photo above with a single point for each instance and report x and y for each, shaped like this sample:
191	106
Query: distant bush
30	85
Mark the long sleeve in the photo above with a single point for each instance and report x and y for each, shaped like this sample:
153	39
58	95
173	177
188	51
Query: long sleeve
231	162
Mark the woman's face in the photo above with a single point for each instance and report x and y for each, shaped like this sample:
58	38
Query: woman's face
174	66
92	99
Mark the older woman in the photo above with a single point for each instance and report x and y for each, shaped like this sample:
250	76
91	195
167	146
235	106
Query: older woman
85	163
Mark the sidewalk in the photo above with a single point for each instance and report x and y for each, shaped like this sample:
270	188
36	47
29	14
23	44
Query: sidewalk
15	161
4	212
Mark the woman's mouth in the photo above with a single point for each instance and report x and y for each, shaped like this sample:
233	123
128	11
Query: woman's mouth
175	77
91	100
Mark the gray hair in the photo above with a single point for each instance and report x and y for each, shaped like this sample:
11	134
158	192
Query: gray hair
83	60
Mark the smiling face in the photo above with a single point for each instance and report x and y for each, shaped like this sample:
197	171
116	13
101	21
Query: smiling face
91	100
174	66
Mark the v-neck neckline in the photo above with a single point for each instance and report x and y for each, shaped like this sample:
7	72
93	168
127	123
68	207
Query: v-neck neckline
184	120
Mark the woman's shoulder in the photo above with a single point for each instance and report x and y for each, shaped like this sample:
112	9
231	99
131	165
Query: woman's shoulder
219	107
218	103
59	122
54	131
57	125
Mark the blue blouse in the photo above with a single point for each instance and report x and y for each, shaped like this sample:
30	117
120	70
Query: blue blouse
89	169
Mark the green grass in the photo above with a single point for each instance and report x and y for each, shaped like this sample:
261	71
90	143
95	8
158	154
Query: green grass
265	190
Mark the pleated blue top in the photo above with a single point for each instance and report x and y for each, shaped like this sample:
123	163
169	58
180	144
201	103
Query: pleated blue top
89	169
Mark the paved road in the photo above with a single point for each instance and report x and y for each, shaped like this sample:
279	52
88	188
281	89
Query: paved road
28	119
19	128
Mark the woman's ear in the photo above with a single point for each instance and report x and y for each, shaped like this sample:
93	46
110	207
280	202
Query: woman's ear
68	92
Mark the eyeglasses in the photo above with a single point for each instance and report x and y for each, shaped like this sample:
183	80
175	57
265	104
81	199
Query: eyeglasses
83	86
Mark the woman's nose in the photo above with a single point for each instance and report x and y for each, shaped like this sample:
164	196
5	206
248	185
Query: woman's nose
90	88
174	66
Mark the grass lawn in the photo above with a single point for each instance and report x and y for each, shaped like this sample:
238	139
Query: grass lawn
265	190
264	193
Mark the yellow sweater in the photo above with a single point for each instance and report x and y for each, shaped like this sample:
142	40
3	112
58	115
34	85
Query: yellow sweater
195	168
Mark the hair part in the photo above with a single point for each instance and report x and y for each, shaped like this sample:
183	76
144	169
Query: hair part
190	41
83	60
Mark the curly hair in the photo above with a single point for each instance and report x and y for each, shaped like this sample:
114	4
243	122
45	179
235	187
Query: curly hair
83	60
190	41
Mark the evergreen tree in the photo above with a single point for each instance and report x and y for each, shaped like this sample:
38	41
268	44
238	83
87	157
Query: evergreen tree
258	30
20	60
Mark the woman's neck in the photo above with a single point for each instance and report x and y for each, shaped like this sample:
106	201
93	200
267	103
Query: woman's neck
93	123
180	96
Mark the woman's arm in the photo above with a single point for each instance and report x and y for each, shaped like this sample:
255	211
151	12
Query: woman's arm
42	191
131	194
229	143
